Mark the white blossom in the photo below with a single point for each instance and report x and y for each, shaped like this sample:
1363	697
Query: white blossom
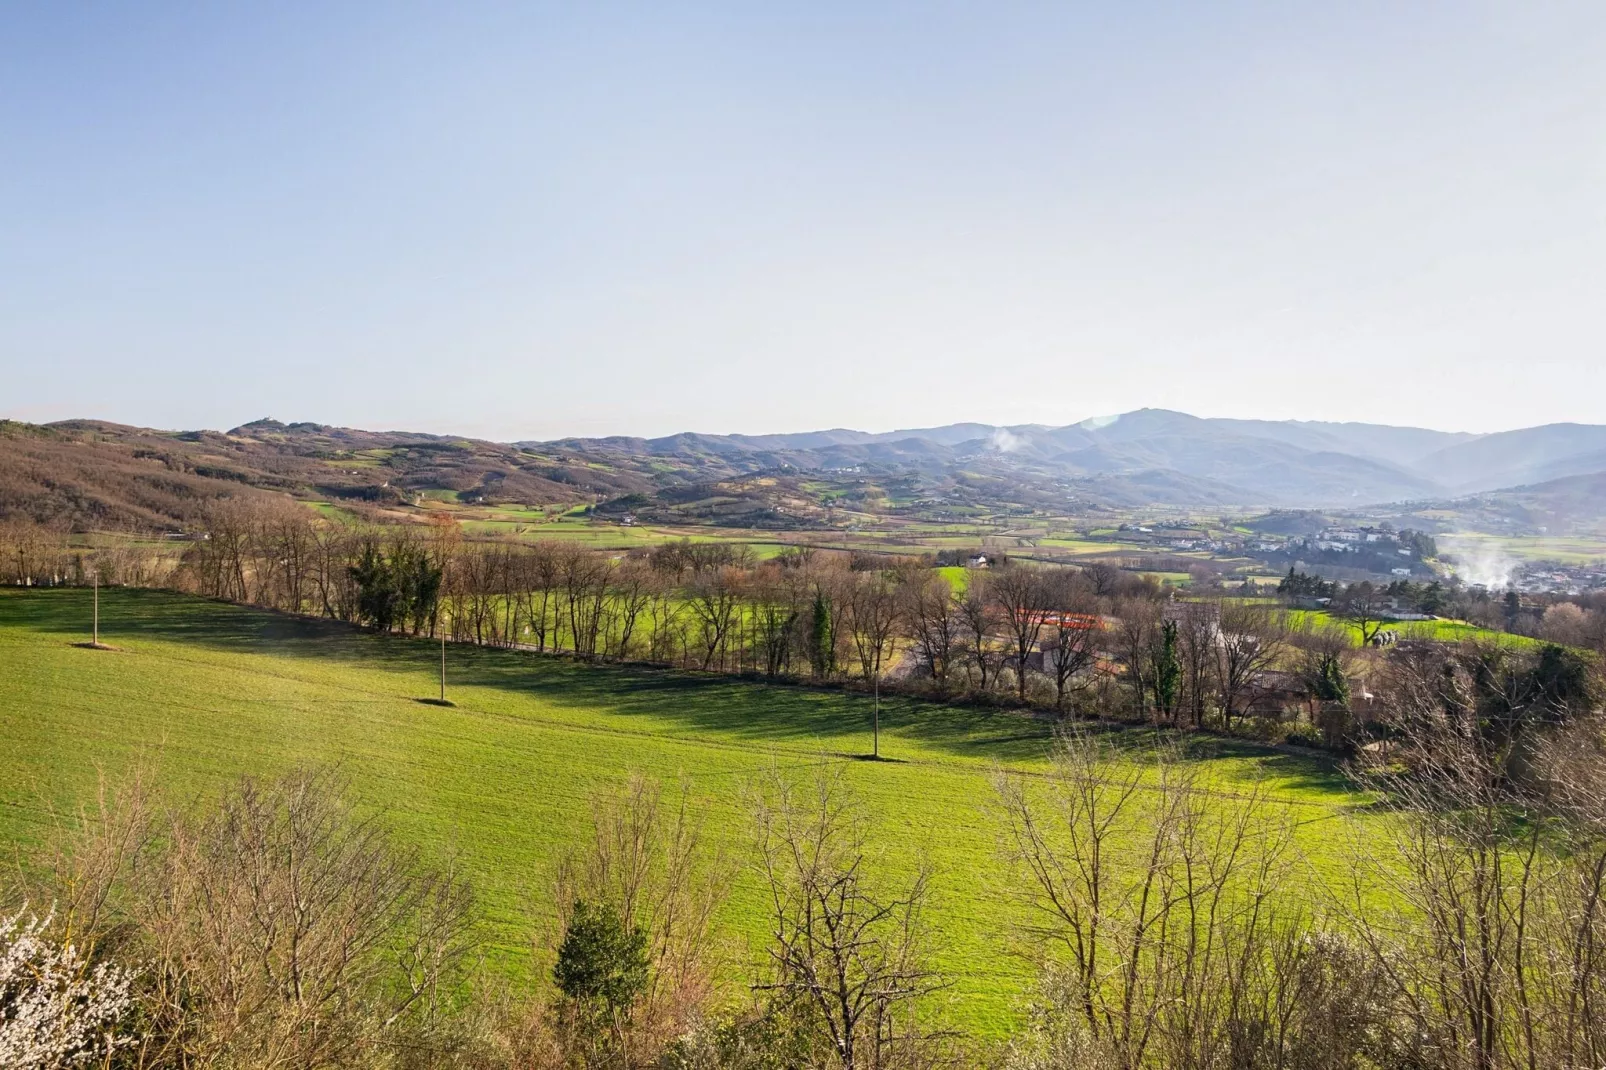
55	1009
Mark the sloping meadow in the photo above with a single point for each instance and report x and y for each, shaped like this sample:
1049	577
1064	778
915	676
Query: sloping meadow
199	693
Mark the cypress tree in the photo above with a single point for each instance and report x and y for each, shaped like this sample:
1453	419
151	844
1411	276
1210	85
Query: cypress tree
1167	669
822	645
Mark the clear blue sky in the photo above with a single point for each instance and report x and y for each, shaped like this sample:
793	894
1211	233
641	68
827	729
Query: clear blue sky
516	221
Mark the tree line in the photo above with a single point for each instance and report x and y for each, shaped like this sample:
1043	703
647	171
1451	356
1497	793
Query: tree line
1092	640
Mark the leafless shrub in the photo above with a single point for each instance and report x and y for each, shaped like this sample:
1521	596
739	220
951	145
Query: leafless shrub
282	928
1492	926
1156	909
647	862
85	868
848	966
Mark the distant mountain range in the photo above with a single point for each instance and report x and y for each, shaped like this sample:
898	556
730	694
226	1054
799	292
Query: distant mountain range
1188	459
89	472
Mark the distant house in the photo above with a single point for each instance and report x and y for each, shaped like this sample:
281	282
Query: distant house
976	561
1042	659
1278	695
1400	571
1175	610
1206	615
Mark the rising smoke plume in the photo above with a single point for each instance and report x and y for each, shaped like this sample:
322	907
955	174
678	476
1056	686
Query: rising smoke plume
1005	442
1480	561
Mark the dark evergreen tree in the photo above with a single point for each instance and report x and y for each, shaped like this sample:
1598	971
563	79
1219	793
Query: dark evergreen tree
822	636
377	596
398	588
602	961
1167	670
1329	684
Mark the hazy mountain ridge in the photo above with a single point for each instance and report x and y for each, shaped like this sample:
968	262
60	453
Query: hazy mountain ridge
1265	461
1516	458
93	472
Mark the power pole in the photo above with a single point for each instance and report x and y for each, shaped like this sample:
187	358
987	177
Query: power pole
443	661
97	608
875	738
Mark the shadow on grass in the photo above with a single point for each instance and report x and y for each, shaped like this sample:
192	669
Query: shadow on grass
753	711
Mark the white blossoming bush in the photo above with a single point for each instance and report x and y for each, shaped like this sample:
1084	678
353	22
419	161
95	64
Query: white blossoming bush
55	1011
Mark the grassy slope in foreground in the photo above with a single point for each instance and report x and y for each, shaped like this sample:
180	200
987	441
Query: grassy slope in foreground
206	691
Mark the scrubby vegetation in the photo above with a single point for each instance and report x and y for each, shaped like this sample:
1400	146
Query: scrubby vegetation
276	924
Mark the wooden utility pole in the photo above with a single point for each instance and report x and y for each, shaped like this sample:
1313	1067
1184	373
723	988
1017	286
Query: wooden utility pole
443	660
875	738
96	633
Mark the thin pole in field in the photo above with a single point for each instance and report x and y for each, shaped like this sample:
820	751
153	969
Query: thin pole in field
875	744
443	660
97	608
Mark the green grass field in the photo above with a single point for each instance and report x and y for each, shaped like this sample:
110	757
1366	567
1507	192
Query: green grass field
202	692
1439	631
1565	549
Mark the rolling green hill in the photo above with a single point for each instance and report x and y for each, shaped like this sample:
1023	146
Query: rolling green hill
203	692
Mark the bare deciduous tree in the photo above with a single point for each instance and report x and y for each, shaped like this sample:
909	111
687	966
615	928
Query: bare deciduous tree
979	625
931	614
1492	921
1023	596
285	929
1252	640
1362	605
848	960
714	598
873	616
1076	635
1156	895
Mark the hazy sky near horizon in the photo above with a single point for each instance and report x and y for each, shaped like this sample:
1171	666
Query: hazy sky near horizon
526	220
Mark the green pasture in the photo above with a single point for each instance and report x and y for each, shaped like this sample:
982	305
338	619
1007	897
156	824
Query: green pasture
1078	547
1567	550
1171	579
201	692
1443	631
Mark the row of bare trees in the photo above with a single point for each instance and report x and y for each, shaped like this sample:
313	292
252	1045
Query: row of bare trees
1093	639
1063	638
1000	634
40	555
710	606
808	614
